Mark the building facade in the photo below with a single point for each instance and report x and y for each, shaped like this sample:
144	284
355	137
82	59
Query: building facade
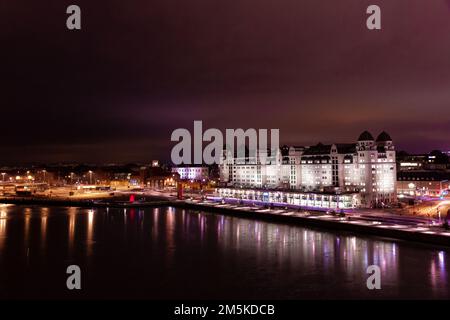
423	174
367	167
423	183
195	173
321	200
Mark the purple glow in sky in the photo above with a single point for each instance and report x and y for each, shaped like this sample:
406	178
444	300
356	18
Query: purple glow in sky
139	69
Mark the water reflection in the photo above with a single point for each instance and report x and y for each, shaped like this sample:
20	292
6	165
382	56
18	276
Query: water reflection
161	246
27	233
27	213
154	228
71	230
90	232
3	221
170	235
439	276
295	248
44	217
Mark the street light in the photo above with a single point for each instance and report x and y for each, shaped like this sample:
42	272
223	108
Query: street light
3	176
90	176
44	172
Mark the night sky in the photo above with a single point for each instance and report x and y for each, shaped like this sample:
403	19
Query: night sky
138	69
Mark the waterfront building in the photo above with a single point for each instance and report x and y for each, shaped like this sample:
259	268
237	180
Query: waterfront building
323	200
423	183
365	170
192	172
423	174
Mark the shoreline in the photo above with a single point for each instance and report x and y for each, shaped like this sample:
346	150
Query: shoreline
341	225
385	230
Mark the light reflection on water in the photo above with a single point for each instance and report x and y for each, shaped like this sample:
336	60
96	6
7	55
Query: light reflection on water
71	212
90	232
3	218
194	251
44	218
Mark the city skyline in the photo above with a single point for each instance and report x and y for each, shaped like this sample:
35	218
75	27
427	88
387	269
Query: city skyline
165	158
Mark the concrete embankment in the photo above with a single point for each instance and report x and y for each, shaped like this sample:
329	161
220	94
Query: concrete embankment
409	233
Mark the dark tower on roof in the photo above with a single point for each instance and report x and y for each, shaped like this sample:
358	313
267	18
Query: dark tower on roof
384	142
383	137
365	136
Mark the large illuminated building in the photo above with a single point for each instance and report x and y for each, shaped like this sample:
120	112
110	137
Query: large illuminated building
193	172
361	174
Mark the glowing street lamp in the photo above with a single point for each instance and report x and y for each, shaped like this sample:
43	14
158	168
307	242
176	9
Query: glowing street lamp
3	176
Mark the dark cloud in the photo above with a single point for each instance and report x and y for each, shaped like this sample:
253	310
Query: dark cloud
138	69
